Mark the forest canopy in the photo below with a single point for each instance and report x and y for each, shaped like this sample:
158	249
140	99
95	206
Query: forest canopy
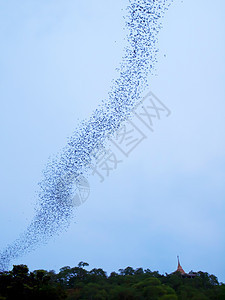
78	283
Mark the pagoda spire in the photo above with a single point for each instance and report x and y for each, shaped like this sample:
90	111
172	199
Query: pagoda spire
179	268
178	260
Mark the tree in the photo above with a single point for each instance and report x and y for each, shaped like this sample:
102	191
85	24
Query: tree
20	271
139	271
127	271
82	264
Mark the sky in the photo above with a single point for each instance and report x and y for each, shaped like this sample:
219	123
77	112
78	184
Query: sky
57	63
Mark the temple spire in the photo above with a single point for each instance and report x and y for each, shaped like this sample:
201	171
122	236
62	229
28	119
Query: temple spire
179	268
178	260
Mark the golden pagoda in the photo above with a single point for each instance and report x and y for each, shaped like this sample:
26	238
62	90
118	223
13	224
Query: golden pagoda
179	268
181	271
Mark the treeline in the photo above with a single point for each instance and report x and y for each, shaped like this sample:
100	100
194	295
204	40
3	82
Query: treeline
128	284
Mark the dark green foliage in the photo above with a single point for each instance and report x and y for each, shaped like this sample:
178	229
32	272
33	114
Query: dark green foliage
20	284
79	284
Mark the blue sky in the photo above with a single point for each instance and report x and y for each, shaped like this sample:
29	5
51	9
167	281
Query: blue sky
57	61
